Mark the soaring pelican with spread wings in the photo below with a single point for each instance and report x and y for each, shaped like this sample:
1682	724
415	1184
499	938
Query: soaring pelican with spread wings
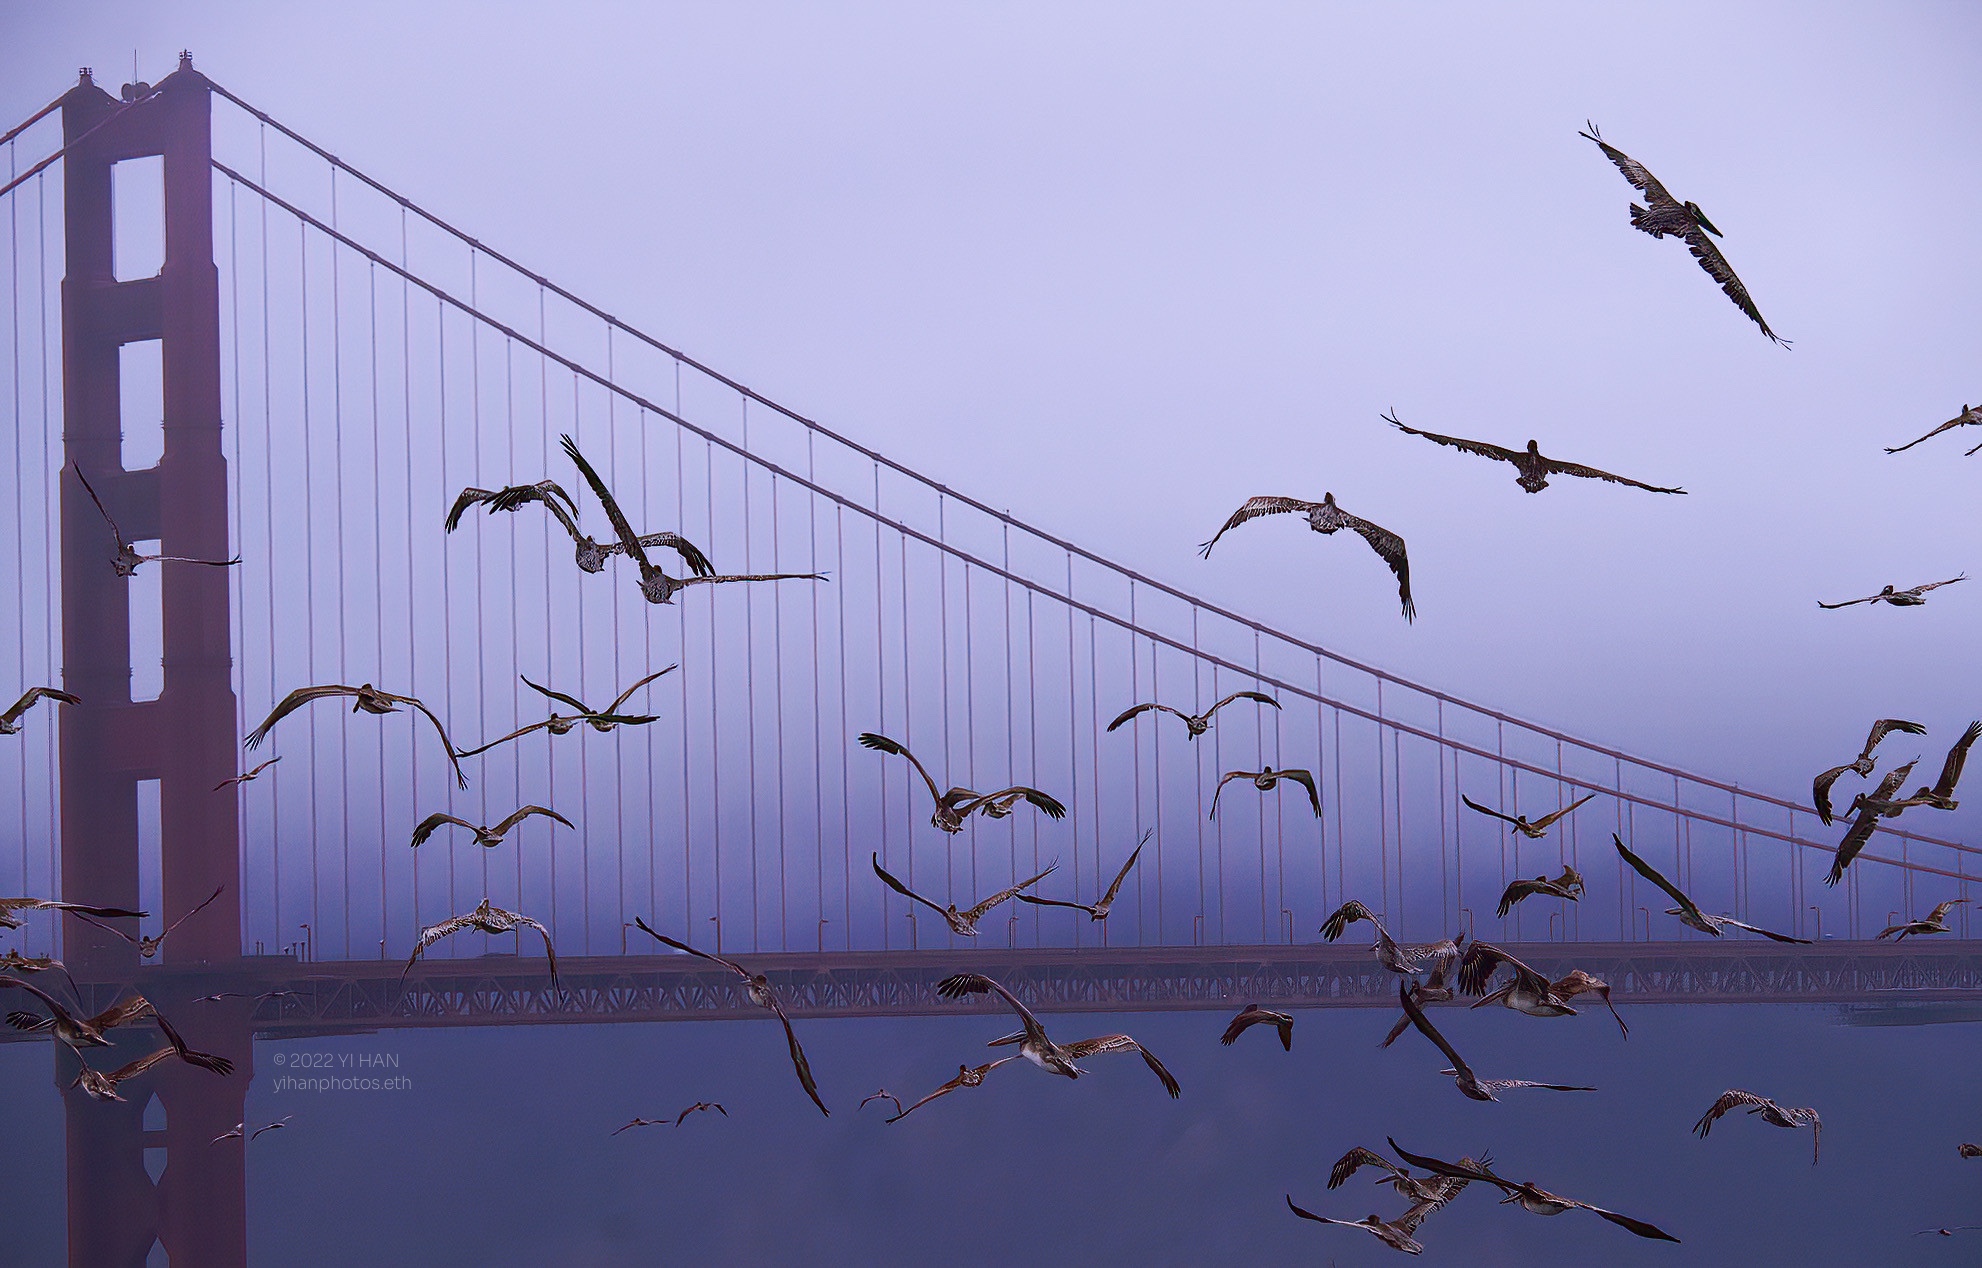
1936	922
1941	795
962	923
1535	830
1100	910
148	945
1685	221
956	805
1534	466
1325	517
1569	885
487	837
1868	811
1771	1113
967	1076
1265	780
600	720
488	918
1970	416
1254	1015
1036	1047
1688	911
1911	597
1195	724
127	558
366	699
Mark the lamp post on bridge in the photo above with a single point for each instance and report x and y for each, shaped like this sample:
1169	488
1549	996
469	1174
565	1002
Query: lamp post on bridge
1820	920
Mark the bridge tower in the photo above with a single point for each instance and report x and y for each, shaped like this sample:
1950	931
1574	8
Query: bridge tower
186	738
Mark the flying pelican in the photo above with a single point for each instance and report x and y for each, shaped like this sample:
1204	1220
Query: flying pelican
1912	598
365	698
655	585
1396	1234
1254	1015
1771	1113
967	1076
1531	1197
1195	724
10	721
148	946
1462	1074
882	1095
1577	982
758	987
1264	780
1689	912
1535	467
241	1133
235	781
962	923
102	1086
1536	830
1325	517
956	805
1970	416
1398	957
1036	1047
127	558
600	720
264	996
1947	1232
1820	789
697	1108
1528	992
643	1122
484	836
1941	795
1684	221
1967	1150
77	1032
8	906
488	918
592	555
1433	990
1869	810
1100	910
1936	922
1569	885
1443	1188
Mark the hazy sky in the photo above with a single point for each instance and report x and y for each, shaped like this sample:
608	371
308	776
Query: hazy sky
1119	268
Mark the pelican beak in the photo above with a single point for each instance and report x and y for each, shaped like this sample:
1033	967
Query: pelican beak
1701	217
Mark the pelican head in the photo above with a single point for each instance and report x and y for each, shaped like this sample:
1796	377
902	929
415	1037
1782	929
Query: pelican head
1700	218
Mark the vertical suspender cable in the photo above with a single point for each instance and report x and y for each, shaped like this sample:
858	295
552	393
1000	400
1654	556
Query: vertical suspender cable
406	421
881	698
715	728
846	790
378	564
337	516
309	542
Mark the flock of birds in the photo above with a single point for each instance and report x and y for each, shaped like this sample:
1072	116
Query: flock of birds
1427	974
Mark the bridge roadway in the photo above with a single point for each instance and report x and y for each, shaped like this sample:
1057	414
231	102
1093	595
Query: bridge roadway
362	996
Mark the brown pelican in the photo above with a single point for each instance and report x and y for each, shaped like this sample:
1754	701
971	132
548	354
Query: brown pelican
1462	1074
1325	517
758	988
484	836
241	1133
956	805
102	1086
697	1108
488	918
1912	598
1535	467
1528	992
967	1076
1771	1113
882	1095
1820	789
1195	724
1531	1197
1947	1232
1868	812
1689	912
127	558
962	923
365	698
14	962
1254	1015
1396	1234
1967	1150
1941	795
148	946
1433	990
1936	922
1569	885
77	1032
236	781
1536	830
217	996
657	586
592	555
1429	1188
600	720
1398	957
643	1122
1036	1047
1970	416
1684	221
8	906
1100	910
1264	780
10	721
1577	982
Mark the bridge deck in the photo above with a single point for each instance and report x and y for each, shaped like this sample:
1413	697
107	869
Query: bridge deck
351	997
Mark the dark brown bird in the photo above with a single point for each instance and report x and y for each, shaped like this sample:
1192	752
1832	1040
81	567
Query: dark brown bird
1534	466
1568	885
1820	788
758	988
1771	1113
148	946
1526	992
1912	598
1688	911
1100	910
967	1076
8	906
956	805
1936	922
1941	795
1195	724
1967	1150
487	837
10	721
249	776
1685	221
1034	1044
77	1032
1536	830
488	918
600	720
241	1133
962	923
882	1095
1265	780
1325	517
1529	1196
1577	982
592	555
1868	812
1254	1015
127	558
102	1086
1970	416
1399	957
365	698
1398	1234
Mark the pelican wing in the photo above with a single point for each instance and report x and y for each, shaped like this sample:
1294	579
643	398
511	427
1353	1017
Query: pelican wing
1390	548
1870	598
1479	447
882	744
560	697
1957	757
1429	1031
958	985
1464	1169
54	1005
1046	805
1253	509
629	541
1820	790
902	889
1968	415
1115	886
976	913
27	701
204	1060
691	554
1651	874
1519	890
189	915
754	576
1940	913
431	824
1710	258
1344	916
100	510
550	952
1305	780
799	1064
731	965
1635	172
1935	585
83	909
1733	1098
1356	1159
292	702
1640	1227
1855	838
1259	696
626	695
432	934
1483	959
1101	1044
1884	727
1550	819
1133	710
125	1011
1766	933
503	827
1059	902
133	1069
460	777
516	734
1229	776
466	499
1483	810
1558	467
